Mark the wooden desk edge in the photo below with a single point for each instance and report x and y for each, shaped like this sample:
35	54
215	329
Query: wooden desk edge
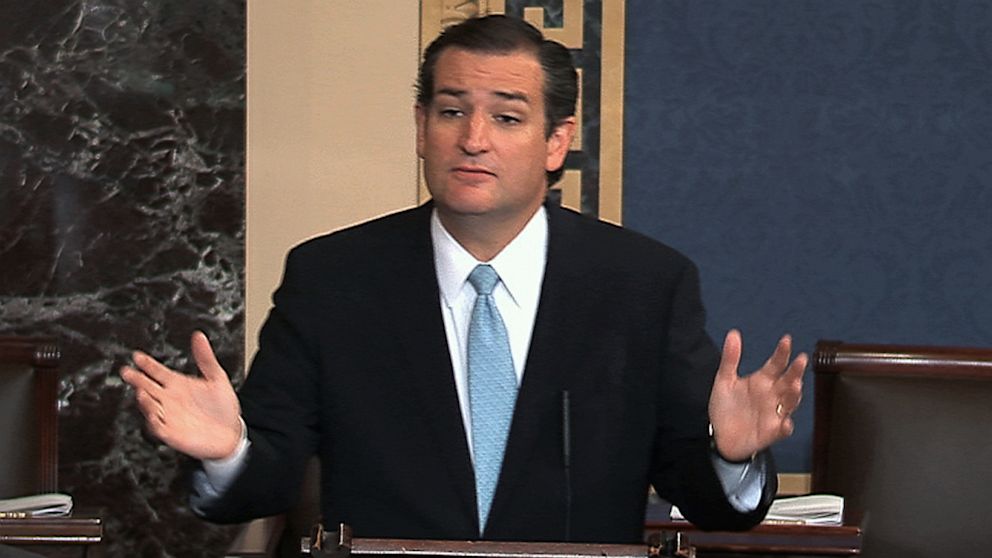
845	540
52	530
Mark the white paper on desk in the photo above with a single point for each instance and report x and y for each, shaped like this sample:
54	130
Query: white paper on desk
814	509
39	505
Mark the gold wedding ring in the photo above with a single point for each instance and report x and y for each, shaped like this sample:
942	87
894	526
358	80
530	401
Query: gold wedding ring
778	409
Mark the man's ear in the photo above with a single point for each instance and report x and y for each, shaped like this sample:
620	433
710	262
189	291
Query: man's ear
420	116
558	143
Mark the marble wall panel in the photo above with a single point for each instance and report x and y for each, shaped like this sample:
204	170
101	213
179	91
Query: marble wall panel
122	227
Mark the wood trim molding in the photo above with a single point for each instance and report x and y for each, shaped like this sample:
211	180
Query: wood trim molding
611	112
834	357
794	484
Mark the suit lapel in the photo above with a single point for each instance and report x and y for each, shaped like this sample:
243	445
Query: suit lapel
430	376
549	361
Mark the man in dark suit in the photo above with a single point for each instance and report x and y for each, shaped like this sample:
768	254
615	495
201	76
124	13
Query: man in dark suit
370	356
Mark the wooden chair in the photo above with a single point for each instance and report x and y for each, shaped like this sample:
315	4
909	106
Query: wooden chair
904	433
28	416
29	461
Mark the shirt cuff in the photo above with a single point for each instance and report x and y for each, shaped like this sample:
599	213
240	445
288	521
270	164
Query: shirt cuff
743	483
221	473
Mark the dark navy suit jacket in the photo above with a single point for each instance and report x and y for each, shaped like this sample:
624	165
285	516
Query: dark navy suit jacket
353	366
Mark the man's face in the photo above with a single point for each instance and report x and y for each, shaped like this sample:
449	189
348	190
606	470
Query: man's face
482	138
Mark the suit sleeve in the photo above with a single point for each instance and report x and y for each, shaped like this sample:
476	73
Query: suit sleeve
684	472
279	403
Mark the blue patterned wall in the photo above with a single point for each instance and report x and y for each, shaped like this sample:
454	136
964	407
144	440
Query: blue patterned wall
828	164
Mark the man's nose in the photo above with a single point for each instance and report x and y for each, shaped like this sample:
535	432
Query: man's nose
475	134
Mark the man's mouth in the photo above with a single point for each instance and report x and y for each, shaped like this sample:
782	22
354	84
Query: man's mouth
469	170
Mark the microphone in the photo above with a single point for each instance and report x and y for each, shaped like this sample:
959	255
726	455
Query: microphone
566	456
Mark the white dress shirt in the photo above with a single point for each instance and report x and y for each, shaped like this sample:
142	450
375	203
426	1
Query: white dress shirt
520	266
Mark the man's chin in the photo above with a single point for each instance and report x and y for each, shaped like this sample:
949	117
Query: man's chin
465	200
464	209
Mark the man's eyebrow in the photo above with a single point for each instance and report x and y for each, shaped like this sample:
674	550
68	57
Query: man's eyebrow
512	96
505	95
451	92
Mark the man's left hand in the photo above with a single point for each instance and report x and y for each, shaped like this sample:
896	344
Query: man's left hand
751	413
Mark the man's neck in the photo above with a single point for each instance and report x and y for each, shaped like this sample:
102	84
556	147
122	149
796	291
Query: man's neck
484	236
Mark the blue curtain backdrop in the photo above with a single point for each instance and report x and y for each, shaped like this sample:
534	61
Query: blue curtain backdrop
828	164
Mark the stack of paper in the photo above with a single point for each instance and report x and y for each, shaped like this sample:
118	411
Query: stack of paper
39	505
814	509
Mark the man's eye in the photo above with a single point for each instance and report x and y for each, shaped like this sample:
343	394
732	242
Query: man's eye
450	113
507	119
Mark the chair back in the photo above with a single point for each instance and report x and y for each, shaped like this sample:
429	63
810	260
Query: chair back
28	416
904	433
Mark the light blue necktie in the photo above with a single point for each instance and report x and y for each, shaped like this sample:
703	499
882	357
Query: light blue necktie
492	386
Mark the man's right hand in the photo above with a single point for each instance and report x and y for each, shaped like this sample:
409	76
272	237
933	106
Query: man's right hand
200	417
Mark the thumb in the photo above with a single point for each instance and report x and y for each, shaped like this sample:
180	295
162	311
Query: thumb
730	360
205	358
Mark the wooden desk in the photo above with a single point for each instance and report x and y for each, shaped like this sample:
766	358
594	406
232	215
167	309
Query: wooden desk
765	540
75	535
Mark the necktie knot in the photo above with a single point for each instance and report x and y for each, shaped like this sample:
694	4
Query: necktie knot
483	279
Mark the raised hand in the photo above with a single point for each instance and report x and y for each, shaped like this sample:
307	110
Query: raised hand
198	416
751	413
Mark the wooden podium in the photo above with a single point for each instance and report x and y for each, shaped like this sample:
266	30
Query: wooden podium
669	538
665	538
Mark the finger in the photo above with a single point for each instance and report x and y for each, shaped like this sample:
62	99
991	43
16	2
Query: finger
150	407
205	358
152	368
730	359
776	364
790	401
787	427
790	383
139	381
795	372
156	428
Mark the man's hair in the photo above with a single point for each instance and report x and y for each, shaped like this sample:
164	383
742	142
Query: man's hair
499	34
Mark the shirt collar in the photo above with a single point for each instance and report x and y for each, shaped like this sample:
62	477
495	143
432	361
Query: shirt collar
520	264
